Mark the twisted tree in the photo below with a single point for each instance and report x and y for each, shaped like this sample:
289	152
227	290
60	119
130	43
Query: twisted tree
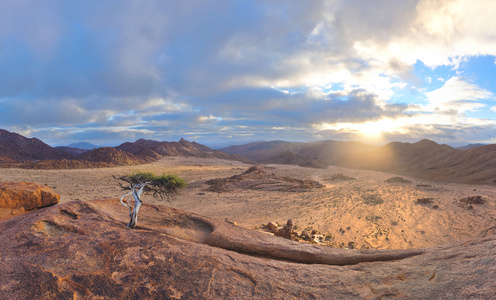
164	186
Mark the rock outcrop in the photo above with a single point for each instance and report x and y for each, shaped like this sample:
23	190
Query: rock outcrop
257	178
18	197
84	250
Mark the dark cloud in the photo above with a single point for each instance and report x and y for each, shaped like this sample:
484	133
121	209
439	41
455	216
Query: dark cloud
118	70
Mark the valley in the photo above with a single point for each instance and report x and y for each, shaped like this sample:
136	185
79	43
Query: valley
365	212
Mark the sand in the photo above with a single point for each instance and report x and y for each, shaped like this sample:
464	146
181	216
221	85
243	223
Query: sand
367	211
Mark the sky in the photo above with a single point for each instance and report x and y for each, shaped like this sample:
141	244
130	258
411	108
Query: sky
225	72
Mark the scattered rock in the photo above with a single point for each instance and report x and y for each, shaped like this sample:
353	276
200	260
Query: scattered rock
287	231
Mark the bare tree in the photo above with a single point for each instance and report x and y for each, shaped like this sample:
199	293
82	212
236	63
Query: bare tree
165	187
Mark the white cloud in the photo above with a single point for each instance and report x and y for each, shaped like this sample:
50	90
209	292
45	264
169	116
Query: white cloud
209	118
277	65
458	95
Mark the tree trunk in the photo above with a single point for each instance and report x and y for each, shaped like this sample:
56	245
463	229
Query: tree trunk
137	204
134	215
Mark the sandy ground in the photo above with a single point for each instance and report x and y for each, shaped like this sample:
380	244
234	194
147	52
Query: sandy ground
345	211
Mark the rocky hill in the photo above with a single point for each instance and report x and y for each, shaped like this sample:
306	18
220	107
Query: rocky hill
112	156
83	250
15	147
149	148
429	160
257	178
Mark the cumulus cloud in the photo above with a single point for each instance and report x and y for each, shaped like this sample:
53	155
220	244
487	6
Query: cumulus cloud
213	70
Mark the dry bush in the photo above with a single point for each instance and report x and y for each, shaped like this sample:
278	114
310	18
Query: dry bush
372	199
340	177
398	180
468	202
424	201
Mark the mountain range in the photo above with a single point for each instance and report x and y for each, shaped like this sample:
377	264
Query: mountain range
15	147
17	150
423	159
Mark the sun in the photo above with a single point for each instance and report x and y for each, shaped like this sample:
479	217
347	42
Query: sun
370	131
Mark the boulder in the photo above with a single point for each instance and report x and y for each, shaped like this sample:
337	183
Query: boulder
272	226
287	231
26	195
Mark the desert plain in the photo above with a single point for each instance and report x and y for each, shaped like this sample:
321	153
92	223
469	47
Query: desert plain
355	208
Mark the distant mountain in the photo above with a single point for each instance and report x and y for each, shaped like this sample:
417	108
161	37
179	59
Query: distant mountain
291	158
470	146
19	151
256	150
74	151
401	157
321	153
15	147
83	145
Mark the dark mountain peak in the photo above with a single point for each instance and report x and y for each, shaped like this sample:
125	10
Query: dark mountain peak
73	151
145	141
16	147
426	143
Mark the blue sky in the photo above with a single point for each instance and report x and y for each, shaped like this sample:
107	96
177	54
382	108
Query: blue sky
234	71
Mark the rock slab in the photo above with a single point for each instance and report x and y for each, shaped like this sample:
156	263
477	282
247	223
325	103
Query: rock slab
83	250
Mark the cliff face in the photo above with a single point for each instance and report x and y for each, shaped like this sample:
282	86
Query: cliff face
84	250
